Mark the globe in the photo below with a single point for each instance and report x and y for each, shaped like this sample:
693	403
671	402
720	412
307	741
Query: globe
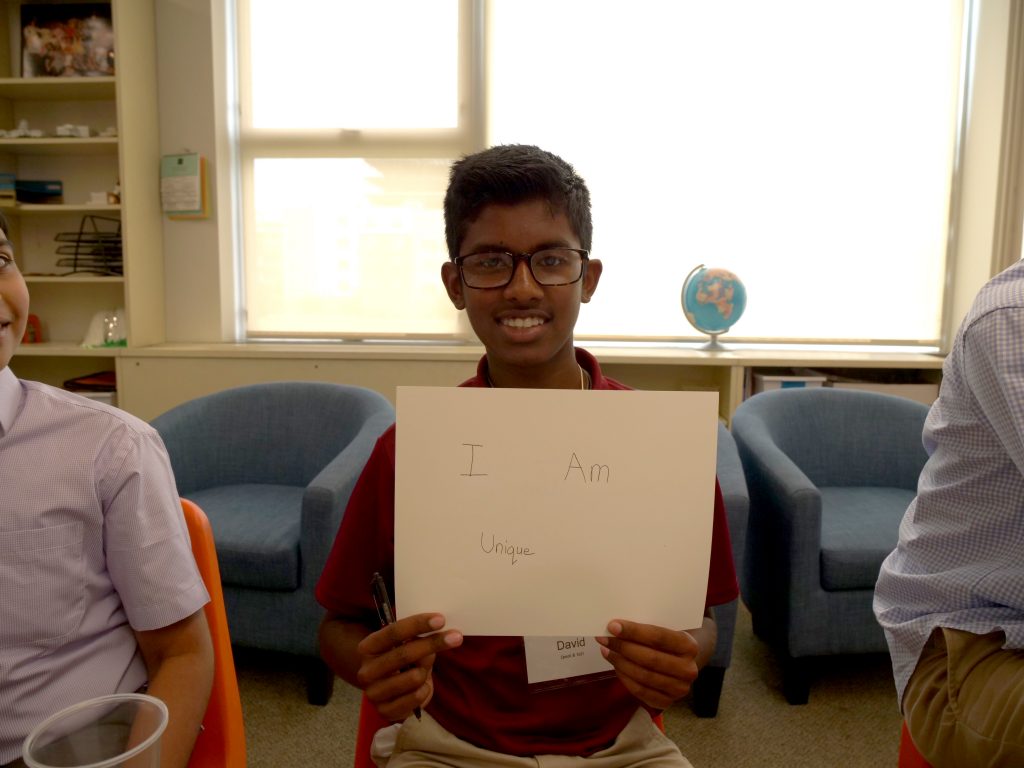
713	300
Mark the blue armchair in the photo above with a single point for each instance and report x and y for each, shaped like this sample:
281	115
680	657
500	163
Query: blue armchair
830	474
273	466
707	689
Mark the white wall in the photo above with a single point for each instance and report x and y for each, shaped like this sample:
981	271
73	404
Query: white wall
975	261
198	265
194	108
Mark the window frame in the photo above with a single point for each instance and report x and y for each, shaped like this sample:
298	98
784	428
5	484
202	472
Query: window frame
255	143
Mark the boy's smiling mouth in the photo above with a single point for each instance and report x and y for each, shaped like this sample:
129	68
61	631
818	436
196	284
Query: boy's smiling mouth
522	322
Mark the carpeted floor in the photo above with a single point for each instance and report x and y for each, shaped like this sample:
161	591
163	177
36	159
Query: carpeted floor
851	720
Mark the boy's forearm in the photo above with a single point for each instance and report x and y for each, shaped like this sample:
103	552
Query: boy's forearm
338	640
176	684
179	661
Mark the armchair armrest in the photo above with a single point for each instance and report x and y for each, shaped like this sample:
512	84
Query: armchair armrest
778	487
784	539
733	483
327	495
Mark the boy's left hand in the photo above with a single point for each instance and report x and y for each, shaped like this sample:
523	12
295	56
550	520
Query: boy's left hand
657	665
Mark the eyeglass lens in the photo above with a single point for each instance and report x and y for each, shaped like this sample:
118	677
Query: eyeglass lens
549	266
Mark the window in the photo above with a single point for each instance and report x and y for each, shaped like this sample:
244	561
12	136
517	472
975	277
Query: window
808	147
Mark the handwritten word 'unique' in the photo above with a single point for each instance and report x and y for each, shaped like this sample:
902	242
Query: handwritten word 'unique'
504	548
597	471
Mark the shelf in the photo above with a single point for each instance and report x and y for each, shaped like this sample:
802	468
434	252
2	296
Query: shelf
96	145
57	209
67	304
65	349
57	88
664	355
74	279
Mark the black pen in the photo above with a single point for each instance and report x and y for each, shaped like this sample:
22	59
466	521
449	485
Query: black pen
385	612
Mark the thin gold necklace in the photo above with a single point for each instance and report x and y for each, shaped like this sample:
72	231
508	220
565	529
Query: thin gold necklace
583	378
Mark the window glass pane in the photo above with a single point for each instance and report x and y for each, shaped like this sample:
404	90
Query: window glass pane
354	64
348	246
806	146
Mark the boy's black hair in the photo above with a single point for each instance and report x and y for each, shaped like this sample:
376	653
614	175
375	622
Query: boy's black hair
509	174
4	225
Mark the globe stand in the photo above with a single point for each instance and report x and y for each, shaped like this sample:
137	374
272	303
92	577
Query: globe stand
714	345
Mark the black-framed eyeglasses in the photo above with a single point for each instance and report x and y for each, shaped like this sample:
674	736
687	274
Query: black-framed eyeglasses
549	266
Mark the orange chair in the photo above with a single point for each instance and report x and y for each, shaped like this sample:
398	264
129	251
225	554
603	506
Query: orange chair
221	743
370	721
909	756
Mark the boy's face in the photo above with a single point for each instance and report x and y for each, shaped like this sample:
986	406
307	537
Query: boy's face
13	302
523	325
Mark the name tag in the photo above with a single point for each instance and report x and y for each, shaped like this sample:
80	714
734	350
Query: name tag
559	658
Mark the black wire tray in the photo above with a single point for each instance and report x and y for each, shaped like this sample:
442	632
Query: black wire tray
95	248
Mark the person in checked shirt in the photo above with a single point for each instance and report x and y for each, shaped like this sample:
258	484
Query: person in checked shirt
950	597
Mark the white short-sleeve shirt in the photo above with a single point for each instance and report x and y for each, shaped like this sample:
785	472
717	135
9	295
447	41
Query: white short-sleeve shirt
93	545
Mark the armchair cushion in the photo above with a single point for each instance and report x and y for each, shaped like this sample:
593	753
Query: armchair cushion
858	528
257	533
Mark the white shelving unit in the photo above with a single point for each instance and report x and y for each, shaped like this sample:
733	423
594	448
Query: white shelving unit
65	303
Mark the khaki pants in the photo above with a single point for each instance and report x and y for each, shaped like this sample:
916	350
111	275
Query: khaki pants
964	704
425	744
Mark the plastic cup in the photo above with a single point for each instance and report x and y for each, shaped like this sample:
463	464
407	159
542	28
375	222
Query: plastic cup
122	729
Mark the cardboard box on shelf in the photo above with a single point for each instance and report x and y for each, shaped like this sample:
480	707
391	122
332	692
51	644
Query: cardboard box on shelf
764	382
923	392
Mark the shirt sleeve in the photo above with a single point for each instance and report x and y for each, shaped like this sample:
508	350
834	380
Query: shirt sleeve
148	552
722	585
993	364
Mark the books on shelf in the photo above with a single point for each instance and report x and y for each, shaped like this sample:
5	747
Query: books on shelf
8	194
31	191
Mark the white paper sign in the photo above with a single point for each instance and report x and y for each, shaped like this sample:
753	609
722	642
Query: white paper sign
551	512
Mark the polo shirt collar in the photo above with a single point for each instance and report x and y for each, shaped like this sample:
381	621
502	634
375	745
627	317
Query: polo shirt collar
10	399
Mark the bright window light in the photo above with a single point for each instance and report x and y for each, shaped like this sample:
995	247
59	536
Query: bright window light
805	146
344	256
808	147
354	65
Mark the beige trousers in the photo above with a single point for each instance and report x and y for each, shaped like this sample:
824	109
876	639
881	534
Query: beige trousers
425	744
964	704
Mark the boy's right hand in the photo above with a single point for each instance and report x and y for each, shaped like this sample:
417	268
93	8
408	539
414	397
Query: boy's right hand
396	661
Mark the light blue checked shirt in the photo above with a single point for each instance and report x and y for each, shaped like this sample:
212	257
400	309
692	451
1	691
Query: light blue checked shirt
959	562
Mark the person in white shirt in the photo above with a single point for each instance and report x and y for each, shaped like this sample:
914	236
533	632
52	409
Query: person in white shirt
99	592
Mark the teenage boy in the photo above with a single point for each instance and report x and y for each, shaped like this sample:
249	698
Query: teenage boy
518	229
99	592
